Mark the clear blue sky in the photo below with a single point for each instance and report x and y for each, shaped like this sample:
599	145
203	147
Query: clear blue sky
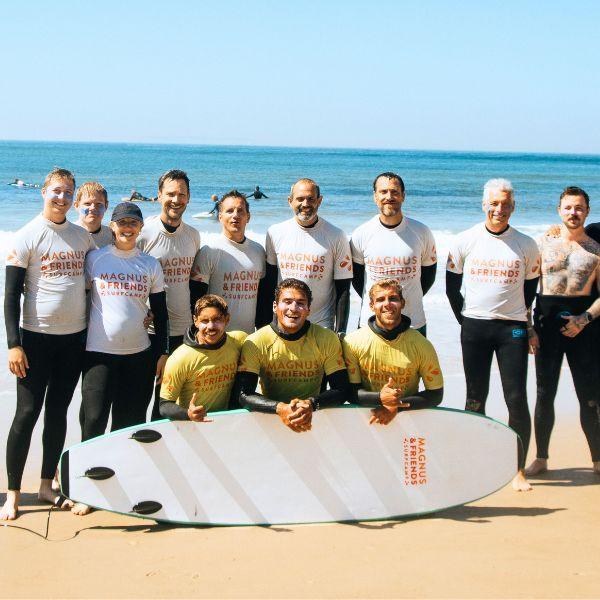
487	75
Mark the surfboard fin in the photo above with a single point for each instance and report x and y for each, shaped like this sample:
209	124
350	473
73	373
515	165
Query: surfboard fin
147	507
145	436
99	473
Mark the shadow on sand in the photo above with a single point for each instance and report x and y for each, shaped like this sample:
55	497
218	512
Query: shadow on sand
466	514
576	477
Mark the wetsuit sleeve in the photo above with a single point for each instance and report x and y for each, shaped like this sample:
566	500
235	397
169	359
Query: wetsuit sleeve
342	304
358	278
245	391
428	277
423	399
340	391
453	285
269	283
264	301
158	306
529	290
13	288
171	410
197	290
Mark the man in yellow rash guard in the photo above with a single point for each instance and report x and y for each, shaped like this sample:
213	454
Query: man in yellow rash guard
199	375
386	359
291	358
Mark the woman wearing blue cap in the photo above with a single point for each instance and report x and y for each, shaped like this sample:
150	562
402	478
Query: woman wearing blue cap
119	369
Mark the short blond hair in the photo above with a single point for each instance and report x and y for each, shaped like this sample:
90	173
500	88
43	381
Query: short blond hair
58	173
385	284
89	188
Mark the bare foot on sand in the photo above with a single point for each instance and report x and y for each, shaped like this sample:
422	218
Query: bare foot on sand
10	510
520	484
47	494
55	482
596	467
537	467
81	509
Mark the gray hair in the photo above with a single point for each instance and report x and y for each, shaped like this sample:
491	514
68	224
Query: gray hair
498	185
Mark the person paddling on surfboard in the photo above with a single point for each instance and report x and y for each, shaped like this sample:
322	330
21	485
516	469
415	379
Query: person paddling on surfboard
291	357
199	375
386	359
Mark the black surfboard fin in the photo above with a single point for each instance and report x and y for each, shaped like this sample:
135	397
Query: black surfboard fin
147	507
145	436
99	473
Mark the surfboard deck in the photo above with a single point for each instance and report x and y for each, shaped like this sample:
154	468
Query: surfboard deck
247	468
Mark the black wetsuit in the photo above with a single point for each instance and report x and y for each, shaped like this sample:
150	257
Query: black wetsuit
480	339
54	366
122	382
583	361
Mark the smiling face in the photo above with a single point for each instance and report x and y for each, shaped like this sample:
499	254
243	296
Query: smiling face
305	202
126	232
292	310
387	304
234	217
211	324
388	196
174	197
573	211
91	207
58	198
498	209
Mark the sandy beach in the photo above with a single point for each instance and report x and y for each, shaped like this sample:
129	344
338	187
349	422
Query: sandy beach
542	543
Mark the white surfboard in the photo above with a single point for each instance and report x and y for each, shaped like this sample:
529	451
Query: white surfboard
248	468
205	215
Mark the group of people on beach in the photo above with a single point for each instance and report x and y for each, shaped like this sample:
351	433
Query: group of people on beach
145	314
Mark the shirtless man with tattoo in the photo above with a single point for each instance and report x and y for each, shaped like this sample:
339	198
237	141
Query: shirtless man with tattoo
564	315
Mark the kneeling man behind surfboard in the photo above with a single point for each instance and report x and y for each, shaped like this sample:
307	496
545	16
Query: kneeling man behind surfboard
386	359
291	357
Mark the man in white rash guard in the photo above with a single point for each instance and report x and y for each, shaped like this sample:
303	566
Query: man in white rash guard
309	248
391	245
500	268
91	203
232	266
46	266
175	244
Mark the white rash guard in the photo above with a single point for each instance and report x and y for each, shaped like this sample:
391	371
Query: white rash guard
494	268
233	271
101	238
397	253
53	255
175	252
316	255
121	283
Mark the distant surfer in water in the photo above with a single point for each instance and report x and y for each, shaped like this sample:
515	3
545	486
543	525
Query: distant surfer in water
388	351
199	375
291	357
45	266
215	200
256	194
